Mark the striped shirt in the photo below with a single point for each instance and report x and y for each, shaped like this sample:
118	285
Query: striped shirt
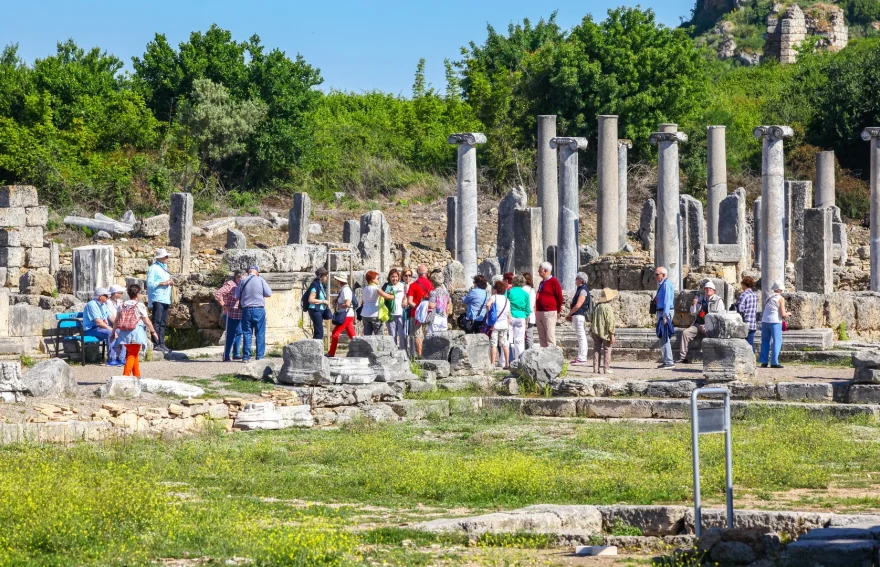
747	306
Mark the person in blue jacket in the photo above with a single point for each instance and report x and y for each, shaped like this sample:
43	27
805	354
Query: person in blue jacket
159	282
665	299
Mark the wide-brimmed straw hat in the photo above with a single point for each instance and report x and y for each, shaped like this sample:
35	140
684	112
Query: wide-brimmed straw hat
608	294
342	279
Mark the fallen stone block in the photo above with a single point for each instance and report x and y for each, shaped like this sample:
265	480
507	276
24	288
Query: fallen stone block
727	360
822	553
305	363
541	365
120	387
49	378
804	391
421	409
261	370
171	388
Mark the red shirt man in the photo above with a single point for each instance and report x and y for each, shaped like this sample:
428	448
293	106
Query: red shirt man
419	290
548	304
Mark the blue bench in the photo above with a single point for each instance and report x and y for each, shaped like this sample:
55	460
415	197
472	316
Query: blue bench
70	328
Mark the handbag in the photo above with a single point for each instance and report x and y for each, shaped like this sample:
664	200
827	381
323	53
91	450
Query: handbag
383	315
492	318
341	314
784	325
470	326
652	307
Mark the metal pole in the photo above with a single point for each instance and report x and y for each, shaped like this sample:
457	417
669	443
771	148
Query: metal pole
728	457
695	447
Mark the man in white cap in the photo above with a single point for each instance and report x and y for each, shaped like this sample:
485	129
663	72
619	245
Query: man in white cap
702	305
159	284
96	319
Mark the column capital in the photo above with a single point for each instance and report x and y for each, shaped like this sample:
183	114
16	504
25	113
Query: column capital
658	137
628	144
572	143
471	138
773	132
871	132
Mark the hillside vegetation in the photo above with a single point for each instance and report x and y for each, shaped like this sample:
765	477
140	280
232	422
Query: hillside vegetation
228	118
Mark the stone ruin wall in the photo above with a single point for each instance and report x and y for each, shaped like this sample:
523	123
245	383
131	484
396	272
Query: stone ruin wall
785	34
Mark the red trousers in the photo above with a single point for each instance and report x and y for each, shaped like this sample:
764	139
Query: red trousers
347	327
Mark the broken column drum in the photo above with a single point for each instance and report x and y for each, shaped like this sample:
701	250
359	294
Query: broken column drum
815	273
93	267
608	232
623	147
298	219
872	135
667	246
567	254
717	177
824	190
548	188
529	249
466	217
505	243
181	221
772	205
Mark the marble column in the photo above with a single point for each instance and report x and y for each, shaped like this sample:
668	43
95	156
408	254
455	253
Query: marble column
567	254
872	135
717	177
608	232
623	147
466	215
298	218
815	275
772	205
529	250
93	267
667	245
548	187
756	237
181	223
824	190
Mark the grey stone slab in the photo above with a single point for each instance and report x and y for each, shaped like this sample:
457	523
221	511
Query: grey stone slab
299	218
181	225
505	241
821	553
815	271
18	196
727	360
529	248
804	391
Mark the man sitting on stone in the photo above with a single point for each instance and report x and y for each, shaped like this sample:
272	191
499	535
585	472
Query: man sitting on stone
96	321
702	305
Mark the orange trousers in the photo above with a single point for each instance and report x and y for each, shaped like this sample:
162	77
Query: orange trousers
132	362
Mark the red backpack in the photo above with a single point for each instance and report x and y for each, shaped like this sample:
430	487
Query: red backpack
127	317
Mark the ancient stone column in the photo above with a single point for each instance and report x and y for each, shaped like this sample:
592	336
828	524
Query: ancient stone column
466	217
693	230
567	254
717	178
772	205
504	240
623	147
815	273
548	182
451	220
824	196
529	249
93	267
375	242
648	226
756	220
667	246
298	219
798	198
873	135
351	231
608	232
181	222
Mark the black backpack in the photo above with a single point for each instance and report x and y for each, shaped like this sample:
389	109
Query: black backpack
304	301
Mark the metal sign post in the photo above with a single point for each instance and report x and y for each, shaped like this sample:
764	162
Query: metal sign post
711	420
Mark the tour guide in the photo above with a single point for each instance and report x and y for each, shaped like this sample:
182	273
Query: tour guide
159	284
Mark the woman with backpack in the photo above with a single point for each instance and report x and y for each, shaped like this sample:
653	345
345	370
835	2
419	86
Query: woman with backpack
578	313
317	303
131	321
498	323
471	321
343	319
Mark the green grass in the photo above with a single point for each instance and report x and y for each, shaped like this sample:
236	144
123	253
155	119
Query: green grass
231	382
296	497
438	394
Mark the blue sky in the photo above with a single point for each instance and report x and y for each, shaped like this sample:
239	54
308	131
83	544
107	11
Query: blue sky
357	45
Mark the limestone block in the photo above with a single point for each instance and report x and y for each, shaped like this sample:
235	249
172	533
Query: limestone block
33	282
454	276
541	365
863	394
11	256
49	378
13	217
840	307
529	248
93	267
728	253
120	387
470	354
36	216
218	226
37	257
295	416
375	243
11	386
208	315
867	366
298	219
28	320
631	309
506	238
158	225
727	360
804	391
807	310
351	370
440	367
18	196
235	239
726	325
260	370
538	518
171	388
388	362
21	237
258	416
130	266
647	226
439	345
867	312
305	363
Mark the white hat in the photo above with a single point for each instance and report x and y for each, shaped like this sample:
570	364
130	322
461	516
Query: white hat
709	285
101	291
777	285
116	288
160	253
342	279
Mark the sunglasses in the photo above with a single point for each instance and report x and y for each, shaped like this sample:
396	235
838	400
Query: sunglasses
407	275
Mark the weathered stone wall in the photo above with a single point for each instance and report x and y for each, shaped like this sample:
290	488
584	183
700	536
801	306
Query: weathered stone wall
826	22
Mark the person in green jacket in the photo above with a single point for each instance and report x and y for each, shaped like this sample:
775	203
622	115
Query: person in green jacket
520	309
602	326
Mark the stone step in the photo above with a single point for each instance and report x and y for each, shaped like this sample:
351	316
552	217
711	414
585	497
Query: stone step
351	370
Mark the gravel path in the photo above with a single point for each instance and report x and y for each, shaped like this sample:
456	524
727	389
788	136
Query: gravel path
95	375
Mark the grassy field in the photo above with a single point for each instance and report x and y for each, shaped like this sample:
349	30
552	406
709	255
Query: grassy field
345	496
